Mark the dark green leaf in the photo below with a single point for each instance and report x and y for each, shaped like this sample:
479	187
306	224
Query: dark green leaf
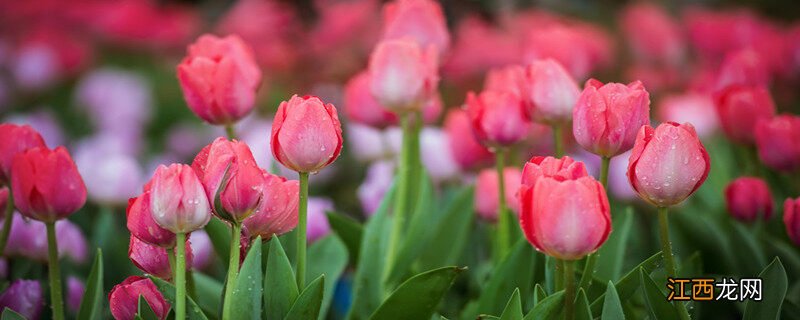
629	283
513	272
774	286
280	287
145	311
327	256
207	293
93	297
513	309
418	233
538	294
349	230
193	312
309	302
612	254
220	235
549	308
612	307
452	232
246	297
417	297
657	304
582	311
9	314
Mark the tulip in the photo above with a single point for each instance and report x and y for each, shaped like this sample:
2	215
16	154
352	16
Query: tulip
306	134
375	185
45	123
15	139
277	212
75	289
421	20
743	68
436	156
3	199
652	34
46	184
510	78
141	224
362	107
367	144
28	238
486	191
117	100
740	107
551	92
318	226
25	297
697	109
607	117
748	198
580	48
466	149
123	299
152	259
791	218
778	143
498	118
219	78
111	176
403	74
178	201
560	169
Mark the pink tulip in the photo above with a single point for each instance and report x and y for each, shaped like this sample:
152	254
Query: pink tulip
551	91
466	149
581	49
510	78
607	117
652	34
154	260
277	213
219	78
498	118
177	199
421	20
740	107
25	297
560	169
748	199
466	60
743	68
13	140
486	192
143	24
28	238
778	143
123	300
403	74
306	134
791	218
695	108
141	224
668	163
46	184
362	107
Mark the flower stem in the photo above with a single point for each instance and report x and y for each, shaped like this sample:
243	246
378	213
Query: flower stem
558	281
557	140
401	197
666	251
569	291
604	171
55	273
233	268
230	131
503	232
9	217
180	276
301	234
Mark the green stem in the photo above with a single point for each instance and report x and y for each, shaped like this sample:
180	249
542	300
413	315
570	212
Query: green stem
230	131
400	211
666	251
301	234
233	268
604	171
559	278
503	223
558	144
569	291
9	217
55	274
180	276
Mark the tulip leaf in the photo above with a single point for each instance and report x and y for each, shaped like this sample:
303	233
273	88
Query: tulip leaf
452	232
514	271
776	284
513	309
193	312
548	308
93	297
627	286
612	306
538	294
349	231
309	302
327	256
417	297
611	255
9	314
145	311
207	293
280	288
582	310
657	304
418	231
220	235
750	254
246	297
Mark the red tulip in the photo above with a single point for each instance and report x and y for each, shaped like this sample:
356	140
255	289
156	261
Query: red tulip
24	297
498	118
421	20
362	107
565	215
154	260
277	213
466	150
668	163
219	78
46	184
228	169
740	107
15	139
403	74
607	117
123	299
743	68
177	199
141	224
306	134
748	198
486	192
791	218
551	91
778	143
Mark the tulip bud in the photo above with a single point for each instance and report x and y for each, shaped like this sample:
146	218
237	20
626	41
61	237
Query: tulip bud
75	289
668	163
318	226
15	139
177	199
229	172
123	300
791	218
740	107
306	134
497	117
362	107
748	198
421	20
46	184
564	212
551	92
466	149
607	117
403	75
25	297
486	192
141	224
154	260
277	213
219	78
778	143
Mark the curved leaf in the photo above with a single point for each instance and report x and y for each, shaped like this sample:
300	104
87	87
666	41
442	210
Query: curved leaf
582	310
246	297
612	307
9	314
327	256
280	287
92	300
145	311
417	297
309	302
193	312
513	310
349	231
548	308
514	271
657	304
774	286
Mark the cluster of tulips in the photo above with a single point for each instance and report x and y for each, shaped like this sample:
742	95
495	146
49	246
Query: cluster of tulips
410	251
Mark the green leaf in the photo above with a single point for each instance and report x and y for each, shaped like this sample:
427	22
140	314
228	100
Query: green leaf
418	233
447	244
774	286
327	256
582	310
612	307
749	252
220	235
627	286
611	255
309	302
657	304
349	231
417	297
514	271
207	294
549	308
280	288
193	312
513	309
93	297
9	314
145	311
246	297
538	294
